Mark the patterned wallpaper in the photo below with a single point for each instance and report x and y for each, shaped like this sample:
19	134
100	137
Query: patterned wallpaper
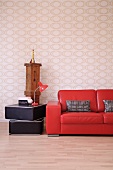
73	39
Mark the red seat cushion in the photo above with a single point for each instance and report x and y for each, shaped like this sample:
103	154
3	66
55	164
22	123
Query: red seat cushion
81	118
108	117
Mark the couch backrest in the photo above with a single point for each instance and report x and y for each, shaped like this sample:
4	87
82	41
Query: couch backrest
64	95
103	94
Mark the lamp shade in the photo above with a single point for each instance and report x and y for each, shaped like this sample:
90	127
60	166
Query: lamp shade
42	87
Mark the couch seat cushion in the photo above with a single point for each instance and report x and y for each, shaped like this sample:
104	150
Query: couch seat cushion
108	117
81	118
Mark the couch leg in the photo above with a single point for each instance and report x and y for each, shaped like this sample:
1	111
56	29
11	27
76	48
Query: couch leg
53	135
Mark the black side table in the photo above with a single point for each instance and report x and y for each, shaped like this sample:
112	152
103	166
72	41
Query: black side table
25	112
25	119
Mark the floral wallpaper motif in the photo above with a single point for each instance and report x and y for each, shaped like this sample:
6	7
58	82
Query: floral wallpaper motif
73	39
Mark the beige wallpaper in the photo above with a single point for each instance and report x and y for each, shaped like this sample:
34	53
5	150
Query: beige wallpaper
73	39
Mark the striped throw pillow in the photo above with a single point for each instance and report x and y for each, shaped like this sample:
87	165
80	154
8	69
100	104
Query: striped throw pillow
78	105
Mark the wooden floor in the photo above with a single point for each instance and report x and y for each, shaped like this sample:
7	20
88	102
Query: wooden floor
40	152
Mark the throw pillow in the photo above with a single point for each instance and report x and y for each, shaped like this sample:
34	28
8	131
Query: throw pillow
108	105
78	105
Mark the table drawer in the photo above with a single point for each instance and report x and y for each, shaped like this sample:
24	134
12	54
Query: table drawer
26	127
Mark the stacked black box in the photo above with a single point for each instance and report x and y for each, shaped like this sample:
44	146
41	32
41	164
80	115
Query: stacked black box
25	119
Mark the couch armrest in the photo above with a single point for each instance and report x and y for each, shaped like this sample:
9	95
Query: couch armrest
53	113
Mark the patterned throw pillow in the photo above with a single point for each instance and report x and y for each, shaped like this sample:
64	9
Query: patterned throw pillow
108	105
78	105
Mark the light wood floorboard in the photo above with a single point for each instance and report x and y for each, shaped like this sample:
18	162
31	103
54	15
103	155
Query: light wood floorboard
40	152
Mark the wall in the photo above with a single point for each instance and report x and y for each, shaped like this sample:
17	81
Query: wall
72	39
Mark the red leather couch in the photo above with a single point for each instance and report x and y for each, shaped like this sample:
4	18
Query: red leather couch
97	121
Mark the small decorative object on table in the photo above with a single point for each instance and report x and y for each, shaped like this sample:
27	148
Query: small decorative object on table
24	101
